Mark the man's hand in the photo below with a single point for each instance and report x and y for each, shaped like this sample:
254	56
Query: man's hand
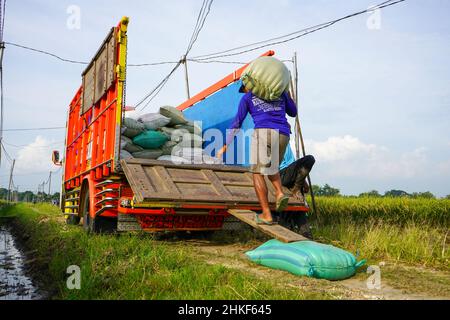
221	151
305	187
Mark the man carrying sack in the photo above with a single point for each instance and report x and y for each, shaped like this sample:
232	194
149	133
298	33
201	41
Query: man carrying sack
269	140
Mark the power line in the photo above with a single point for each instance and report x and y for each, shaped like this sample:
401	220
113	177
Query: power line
152	64
291	36
201	19
82	62
8	157
27	145
158	88
200	13
46	53
35	129
203	14
228	62
216	61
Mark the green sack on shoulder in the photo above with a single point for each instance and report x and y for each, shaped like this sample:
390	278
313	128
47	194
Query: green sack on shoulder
267	78
307	258
150	139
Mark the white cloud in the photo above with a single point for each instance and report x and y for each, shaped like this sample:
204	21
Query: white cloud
348	156
36	157
444	167
339	148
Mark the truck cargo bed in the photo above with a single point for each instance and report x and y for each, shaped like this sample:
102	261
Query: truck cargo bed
159	181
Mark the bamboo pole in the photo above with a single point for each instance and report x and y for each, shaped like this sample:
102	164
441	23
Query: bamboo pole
299	134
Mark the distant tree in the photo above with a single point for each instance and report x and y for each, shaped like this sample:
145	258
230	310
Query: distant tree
328	191
423	195
396	193
447	197
316	189
373	194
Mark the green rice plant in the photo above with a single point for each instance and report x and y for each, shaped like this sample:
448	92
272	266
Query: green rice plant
413	231
398	211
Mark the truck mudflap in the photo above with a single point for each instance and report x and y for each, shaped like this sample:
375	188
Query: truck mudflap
227	187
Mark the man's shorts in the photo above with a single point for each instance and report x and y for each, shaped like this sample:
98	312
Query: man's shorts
267	151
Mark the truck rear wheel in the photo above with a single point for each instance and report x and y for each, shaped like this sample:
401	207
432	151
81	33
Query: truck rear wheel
85	209
96	224
73	220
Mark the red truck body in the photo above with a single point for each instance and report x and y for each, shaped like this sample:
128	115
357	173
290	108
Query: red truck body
108	193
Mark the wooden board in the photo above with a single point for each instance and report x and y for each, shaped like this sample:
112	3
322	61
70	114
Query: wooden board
276	231
153	181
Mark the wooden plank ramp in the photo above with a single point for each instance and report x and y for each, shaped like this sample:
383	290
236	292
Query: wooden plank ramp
276	231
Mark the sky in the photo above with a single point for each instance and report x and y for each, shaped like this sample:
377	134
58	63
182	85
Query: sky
374	90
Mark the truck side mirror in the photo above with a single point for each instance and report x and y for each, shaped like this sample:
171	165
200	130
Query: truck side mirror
55	158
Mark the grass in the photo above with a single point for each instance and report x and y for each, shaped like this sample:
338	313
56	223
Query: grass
129	266
409	235
412	231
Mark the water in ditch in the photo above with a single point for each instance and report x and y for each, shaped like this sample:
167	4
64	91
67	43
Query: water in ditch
14	283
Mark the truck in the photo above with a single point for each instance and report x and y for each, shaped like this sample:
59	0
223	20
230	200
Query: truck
108	193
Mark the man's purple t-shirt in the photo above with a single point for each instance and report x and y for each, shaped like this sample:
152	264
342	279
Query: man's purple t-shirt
265	114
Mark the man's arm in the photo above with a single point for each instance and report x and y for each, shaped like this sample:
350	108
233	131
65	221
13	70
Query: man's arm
238	120
291	108
235	125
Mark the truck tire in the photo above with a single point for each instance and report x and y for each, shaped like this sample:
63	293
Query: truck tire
73	220
85	210
97	224
296	222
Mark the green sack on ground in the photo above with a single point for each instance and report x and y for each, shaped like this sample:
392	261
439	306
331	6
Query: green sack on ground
150	139
307	258
148	154
175	115
267	78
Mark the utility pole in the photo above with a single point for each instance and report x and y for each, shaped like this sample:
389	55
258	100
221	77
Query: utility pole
16	196
184	61
300	134
2	47
10	180
49	183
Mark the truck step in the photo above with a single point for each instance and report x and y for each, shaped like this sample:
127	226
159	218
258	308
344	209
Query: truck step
106	183
103	209
71	207
106	200
76	191
110	190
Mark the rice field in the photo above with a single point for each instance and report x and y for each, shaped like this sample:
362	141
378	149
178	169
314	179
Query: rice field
400	230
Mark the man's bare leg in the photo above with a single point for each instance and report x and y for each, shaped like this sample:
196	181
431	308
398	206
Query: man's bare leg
261	191
276	181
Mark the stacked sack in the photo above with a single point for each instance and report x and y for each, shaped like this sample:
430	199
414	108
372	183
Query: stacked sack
165	136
